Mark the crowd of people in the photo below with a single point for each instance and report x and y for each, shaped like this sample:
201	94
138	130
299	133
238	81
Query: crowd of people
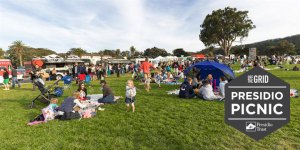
80	105
203	89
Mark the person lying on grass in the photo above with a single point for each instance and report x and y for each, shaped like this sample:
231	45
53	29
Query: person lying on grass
48	113
186	89
108	95
130	95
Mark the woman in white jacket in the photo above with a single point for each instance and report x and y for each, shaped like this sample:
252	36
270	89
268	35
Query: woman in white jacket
207	91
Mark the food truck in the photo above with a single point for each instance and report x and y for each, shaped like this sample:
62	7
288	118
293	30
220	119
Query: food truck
60	64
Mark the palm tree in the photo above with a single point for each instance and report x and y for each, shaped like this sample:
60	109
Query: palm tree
1	53
118	52
132	51
18	49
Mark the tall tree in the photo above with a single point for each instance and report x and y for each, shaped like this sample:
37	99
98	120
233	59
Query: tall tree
77	51
285	47
155	52
137	54
118	52
179	51
111	53
125	54
18	48
132	51
1	53
224	26
211	51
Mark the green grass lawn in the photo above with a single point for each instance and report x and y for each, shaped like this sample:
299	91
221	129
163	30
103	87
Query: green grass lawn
161	121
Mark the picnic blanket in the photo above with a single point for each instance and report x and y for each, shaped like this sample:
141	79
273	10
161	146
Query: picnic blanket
95	97
173	92
294	93
171	83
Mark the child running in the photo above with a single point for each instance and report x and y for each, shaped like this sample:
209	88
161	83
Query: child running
130	95
158	78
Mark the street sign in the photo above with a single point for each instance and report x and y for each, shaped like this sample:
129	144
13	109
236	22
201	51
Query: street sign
257	103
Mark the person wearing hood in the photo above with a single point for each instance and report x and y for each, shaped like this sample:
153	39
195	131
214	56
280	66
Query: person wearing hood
186	89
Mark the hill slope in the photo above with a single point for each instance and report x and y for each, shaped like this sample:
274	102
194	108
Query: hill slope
262	47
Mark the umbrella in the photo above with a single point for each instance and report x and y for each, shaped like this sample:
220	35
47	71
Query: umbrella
210	67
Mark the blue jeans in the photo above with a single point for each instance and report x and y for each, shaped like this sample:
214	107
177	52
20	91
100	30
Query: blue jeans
14	81
107	99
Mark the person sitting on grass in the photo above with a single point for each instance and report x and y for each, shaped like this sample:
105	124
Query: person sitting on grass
295	68
206	91
82	90
210	79
108	96
67	107
196	83
222	83
130	95
186	89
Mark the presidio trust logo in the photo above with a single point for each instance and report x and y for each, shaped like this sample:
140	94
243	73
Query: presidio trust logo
257	103
251	126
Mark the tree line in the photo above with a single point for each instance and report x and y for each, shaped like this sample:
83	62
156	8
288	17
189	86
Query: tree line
18	52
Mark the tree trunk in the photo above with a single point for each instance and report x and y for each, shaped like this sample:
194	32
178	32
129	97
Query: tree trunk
21	62
226	50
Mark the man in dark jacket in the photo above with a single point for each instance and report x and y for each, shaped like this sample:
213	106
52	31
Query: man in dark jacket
186	89
75	70
108	96
67	107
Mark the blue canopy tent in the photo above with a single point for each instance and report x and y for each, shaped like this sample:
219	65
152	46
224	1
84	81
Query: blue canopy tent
210	67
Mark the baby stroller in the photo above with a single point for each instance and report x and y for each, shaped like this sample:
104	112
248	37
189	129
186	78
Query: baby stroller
46	93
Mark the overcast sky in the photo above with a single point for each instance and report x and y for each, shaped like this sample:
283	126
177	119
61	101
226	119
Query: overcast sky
111	24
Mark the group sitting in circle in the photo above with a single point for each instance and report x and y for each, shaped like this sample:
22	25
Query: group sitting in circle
82	105
203	89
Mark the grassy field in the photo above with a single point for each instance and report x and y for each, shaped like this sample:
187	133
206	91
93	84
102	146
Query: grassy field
161	121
